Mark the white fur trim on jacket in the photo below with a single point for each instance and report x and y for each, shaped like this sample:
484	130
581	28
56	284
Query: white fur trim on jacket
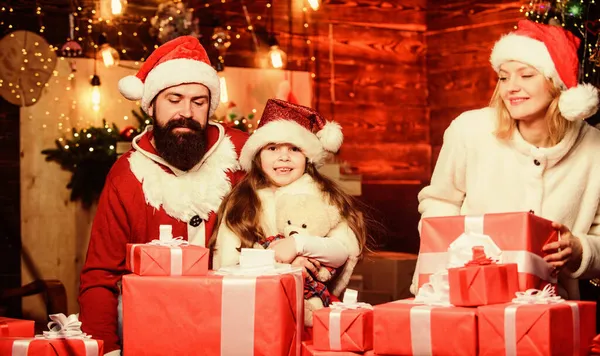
181	71
513	47
196	192
283	131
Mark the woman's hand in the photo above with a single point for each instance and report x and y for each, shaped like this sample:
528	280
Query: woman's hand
309	264
568	250
285	250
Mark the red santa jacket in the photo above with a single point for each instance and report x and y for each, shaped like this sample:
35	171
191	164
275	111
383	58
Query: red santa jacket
141	193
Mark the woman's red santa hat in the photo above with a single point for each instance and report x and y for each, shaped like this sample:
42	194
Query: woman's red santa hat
301	126
182	60
553	51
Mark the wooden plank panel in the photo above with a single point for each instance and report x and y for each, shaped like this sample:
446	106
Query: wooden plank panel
389	161
464	88
379	124
462	49
371	83
350	43
441	118
450	14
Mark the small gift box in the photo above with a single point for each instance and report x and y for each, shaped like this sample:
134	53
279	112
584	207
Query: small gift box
482	281
238	310
537	323
405	328
167	256
63	338
344	326
509	237
16	327
308	349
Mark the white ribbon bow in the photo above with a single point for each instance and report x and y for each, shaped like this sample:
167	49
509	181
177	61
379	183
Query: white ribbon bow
436	292
171	242
63	327
350	301
536	296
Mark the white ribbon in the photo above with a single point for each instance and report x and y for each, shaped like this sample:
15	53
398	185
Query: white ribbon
60	327
238	310
536	296
64	327
350	301
174	244
436	291
420	330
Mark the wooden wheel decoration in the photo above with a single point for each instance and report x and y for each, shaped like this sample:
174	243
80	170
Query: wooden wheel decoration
26	64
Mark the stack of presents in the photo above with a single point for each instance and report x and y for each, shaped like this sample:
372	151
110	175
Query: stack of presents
484	289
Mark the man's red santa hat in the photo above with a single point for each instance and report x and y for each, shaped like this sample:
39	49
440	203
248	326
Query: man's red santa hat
182	60
553	51
301	126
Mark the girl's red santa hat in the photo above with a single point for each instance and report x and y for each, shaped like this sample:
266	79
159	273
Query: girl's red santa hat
553	51
182	60
301	126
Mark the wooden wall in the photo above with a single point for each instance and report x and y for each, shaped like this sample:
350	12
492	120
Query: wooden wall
460	35
378	76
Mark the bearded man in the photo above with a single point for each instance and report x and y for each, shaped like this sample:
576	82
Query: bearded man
177	173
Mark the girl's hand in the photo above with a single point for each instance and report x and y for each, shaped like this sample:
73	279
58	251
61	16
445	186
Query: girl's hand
309	264
568	250
285	250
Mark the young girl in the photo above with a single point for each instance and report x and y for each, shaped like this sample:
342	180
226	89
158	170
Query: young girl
280	158
529	151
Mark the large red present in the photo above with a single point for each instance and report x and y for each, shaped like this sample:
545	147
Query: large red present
17	346
345	326
563	328
157	260
308	349
519	236
16	327
218	314
405	328
482	282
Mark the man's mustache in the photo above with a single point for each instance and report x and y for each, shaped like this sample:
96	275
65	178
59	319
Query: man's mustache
183	123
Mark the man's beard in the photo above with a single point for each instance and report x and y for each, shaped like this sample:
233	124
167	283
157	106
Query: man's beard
182	150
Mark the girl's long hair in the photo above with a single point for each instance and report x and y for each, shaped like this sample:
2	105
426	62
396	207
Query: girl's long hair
241	208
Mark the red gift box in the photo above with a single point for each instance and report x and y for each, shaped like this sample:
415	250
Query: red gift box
338	329
520	236
13	346
220	315
308	349
482	282
154	260
16	327
537	329
404	328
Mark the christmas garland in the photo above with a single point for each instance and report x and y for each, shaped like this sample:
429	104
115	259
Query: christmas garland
89	154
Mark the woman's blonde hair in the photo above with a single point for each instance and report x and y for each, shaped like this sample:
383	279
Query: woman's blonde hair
557	124
241	208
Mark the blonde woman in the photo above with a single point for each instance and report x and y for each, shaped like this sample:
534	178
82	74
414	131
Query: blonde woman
530	150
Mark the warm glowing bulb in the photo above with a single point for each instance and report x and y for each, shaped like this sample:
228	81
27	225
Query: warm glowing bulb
116	7
107	58
96	97
224	95
276	56
314	4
